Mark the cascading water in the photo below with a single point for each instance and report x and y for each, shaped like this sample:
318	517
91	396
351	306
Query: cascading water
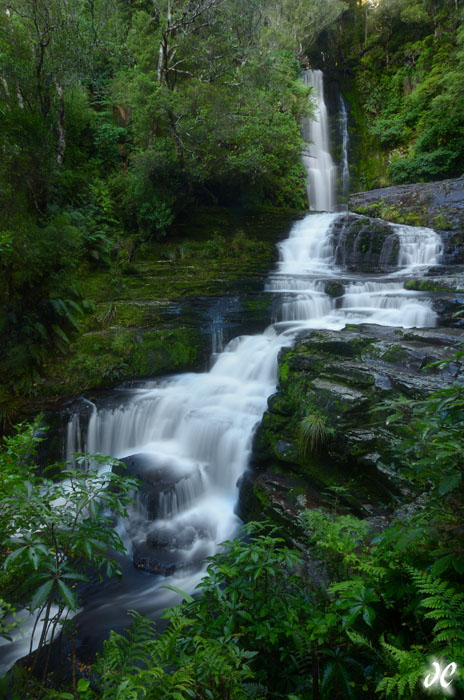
316	156
188	437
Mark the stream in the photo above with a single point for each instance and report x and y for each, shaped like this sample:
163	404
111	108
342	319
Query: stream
188	437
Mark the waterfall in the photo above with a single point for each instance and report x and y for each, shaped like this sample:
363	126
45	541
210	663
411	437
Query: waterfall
345	169
188	437
316	156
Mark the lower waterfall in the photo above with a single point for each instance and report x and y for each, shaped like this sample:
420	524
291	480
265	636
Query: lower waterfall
188	437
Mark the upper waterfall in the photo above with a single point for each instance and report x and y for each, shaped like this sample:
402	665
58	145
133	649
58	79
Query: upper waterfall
316	157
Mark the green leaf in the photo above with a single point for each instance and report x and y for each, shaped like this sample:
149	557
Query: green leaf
60	332
33	556
75	576
185	596
13	555
448	483
68	596
442	564
82	685
41	595
368	615
458	564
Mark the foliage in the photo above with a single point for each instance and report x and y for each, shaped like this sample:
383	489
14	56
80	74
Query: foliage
116	117
52	527
313	432
408	60
139	665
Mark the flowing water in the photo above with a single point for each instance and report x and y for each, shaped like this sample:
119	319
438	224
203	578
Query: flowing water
345	168
322	172
188	437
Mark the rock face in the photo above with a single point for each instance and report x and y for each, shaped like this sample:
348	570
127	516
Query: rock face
439	205
320	429
364	244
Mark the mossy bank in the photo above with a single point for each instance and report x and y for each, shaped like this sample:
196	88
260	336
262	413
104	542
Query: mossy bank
156	313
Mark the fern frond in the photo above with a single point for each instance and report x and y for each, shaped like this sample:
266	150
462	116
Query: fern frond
444	605
410	664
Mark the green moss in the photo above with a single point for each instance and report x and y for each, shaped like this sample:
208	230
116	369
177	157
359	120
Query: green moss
429	286
100	359
284	370
257	305
394	354
417	216
159	352
441	222
368	161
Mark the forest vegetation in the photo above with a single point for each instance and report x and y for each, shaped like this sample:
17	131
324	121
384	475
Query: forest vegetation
402	66
120	118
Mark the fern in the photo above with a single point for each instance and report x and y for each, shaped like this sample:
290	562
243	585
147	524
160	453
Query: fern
136	665
444	605
410	666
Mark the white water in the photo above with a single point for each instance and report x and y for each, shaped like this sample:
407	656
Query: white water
191	434
345	168
317	160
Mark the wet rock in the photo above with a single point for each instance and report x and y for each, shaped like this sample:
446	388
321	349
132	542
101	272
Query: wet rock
280	497
165	485
337	398
438	205
166	550
334	288
286	451
450	308
337	378
365	244
156	561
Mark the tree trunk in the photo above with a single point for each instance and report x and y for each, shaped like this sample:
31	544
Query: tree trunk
61	146
179	150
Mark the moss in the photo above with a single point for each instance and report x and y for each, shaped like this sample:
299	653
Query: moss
440	222
368	161
100	359
394	354
429	286
159	352
334	289
257	305
284	370
416	216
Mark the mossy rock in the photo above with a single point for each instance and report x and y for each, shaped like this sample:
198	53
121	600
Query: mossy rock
334	289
